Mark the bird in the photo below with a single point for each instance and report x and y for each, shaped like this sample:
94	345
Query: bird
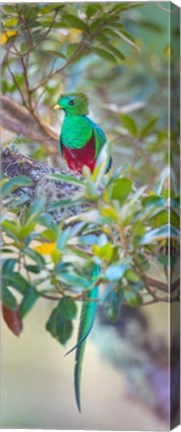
81	140
80	143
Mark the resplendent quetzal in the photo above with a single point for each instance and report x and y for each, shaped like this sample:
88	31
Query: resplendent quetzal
80	139
80	143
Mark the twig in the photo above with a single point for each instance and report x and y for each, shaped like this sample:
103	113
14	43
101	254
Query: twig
43	36
44	90
161	285
49	297
5	59
145	280
78	51
17	85
24	66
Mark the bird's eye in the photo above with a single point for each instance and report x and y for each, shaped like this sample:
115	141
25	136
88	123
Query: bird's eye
71	102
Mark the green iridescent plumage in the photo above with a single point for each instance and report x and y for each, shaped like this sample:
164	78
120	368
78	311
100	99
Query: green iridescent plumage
80	139
87	317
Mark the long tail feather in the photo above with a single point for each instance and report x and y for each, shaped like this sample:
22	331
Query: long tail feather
87	318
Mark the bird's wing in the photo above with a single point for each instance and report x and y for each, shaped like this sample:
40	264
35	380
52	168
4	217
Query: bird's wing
100	138
60	145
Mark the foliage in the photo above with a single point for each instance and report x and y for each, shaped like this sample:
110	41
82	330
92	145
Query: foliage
121	231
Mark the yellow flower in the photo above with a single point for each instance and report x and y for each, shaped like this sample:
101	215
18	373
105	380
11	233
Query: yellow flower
6	35
45	248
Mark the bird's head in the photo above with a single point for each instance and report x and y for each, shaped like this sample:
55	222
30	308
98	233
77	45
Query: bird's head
73	104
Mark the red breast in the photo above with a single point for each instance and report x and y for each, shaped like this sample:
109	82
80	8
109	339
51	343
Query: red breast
77	158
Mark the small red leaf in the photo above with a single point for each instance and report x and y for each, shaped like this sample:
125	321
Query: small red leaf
12	319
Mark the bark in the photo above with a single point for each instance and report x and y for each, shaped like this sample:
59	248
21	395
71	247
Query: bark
18	119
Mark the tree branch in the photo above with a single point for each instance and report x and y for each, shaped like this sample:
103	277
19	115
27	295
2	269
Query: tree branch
19	120
163	286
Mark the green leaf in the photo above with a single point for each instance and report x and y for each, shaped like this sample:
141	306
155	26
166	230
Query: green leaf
73	280
132	298
95	25
8	299
15	280
63	238
63	203
10	228
35	256
17	201
50	7
142	261
19	79
149	127
104	54
8	8
8	266
104	252
115	51
121	188
6	250
28	301
160	218
71	49
167	260
120	7
14	183
174	219
67	307
34	211
159	184
102	38
59	327
112	303
153	200
92	9
11	22
127	37
48	21
55	53
164	232
129	124
47	220
131	276
49	234
123	34
138	230
116	271
26	230
150	25
66	178
75	22
32	268
175	202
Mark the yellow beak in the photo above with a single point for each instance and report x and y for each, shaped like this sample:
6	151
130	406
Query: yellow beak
57	107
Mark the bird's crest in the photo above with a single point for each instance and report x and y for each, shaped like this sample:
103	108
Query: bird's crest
82	102
81	96
80	105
